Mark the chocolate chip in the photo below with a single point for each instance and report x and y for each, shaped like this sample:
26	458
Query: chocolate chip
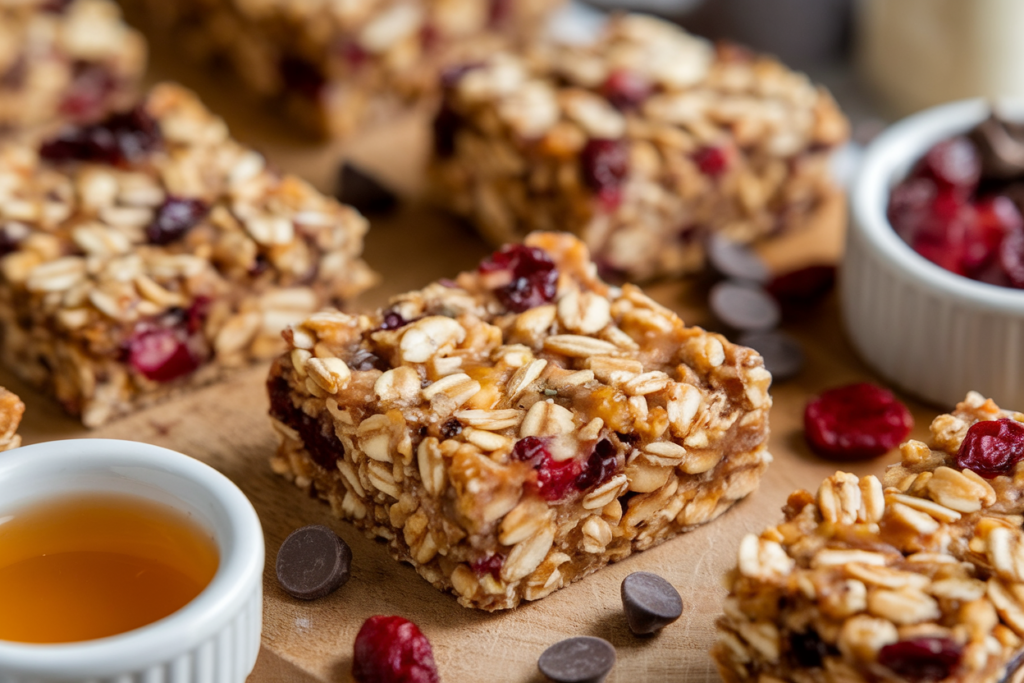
1001	145
735	260
313	562
583	659
744	306
783	355
364	192
650	603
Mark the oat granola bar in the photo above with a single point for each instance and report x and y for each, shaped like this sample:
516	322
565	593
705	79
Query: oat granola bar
917	578
513	430
11	411
641	143
66	60
151	252
337	65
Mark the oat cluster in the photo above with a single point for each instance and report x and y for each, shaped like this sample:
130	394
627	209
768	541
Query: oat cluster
176	234
64	60
639	143
506	454
919	577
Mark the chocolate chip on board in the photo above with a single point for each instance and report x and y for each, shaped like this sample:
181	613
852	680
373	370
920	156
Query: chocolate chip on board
783	356
313	562
364	192
650	603
583	659
736	260
744	306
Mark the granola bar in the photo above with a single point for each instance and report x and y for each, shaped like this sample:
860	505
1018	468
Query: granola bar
66	60
518	428
11	411
917	578
151	252
641	143
336	66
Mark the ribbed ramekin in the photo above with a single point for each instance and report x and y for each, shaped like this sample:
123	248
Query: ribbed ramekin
213	639
932	333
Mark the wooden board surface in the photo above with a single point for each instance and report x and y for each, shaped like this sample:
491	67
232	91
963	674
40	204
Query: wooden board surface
226	426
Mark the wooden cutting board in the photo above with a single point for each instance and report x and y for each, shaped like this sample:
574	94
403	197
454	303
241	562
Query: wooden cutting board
226	426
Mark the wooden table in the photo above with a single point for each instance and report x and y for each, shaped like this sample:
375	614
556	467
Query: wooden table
226	426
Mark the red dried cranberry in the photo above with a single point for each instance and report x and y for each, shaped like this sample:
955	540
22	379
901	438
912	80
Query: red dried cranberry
318	438
922	659
392	320
162	354
712	161
804	288
953	163
499	13
54	6
856	422
992	447
534	279
489	565
599	467
995	218
121	139
451	429
174	218
301	76
553	478
1011	258
195	316
392	650
626	89
89	90
908	202
604	164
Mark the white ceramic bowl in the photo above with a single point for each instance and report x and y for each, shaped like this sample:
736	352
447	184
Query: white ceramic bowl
934	334
213	639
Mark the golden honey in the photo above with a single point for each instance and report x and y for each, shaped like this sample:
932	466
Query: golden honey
95	565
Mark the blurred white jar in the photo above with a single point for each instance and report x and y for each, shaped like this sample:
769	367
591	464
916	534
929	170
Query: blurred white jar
918	53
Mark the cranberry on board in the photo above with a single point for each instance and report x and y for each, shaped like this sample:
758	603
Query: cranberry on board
922	659
856	422
992	447
392	650
533	278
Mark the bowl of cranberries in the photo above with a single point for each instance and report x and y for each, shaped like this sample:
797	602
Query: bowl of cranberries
932	284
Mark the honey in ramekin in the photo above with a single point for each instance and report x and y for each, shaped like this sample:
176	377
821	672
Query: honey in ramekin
94	565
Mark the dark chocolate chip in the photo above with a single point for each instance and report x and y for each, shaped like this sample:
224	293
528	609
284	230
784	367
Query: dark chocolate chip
364	192
783	355
735	260
1001	145
583	659
650	603
744	306
313	562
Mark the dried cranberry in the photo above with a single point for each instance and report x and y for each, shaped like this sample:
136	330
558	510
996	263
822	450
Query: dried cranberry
54	6
319	439
89	90
451	429
195	316
953	163
553	478
174	218
712	161
856	422
1011	258
301	76
992	447
908	202
534	278
499	13
626	89
604	164
451	75
120	139
489	565
599	467
392	320
804	288
162	354
922	659
392	650
808	649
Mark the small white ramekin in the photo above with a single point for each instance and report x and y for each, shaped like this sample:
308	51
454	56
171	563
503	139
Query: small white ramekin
213	639
934	334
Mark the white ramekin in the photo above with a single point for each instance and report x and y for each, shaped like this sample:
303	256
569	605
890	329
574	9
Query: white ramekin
934	334
213	639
